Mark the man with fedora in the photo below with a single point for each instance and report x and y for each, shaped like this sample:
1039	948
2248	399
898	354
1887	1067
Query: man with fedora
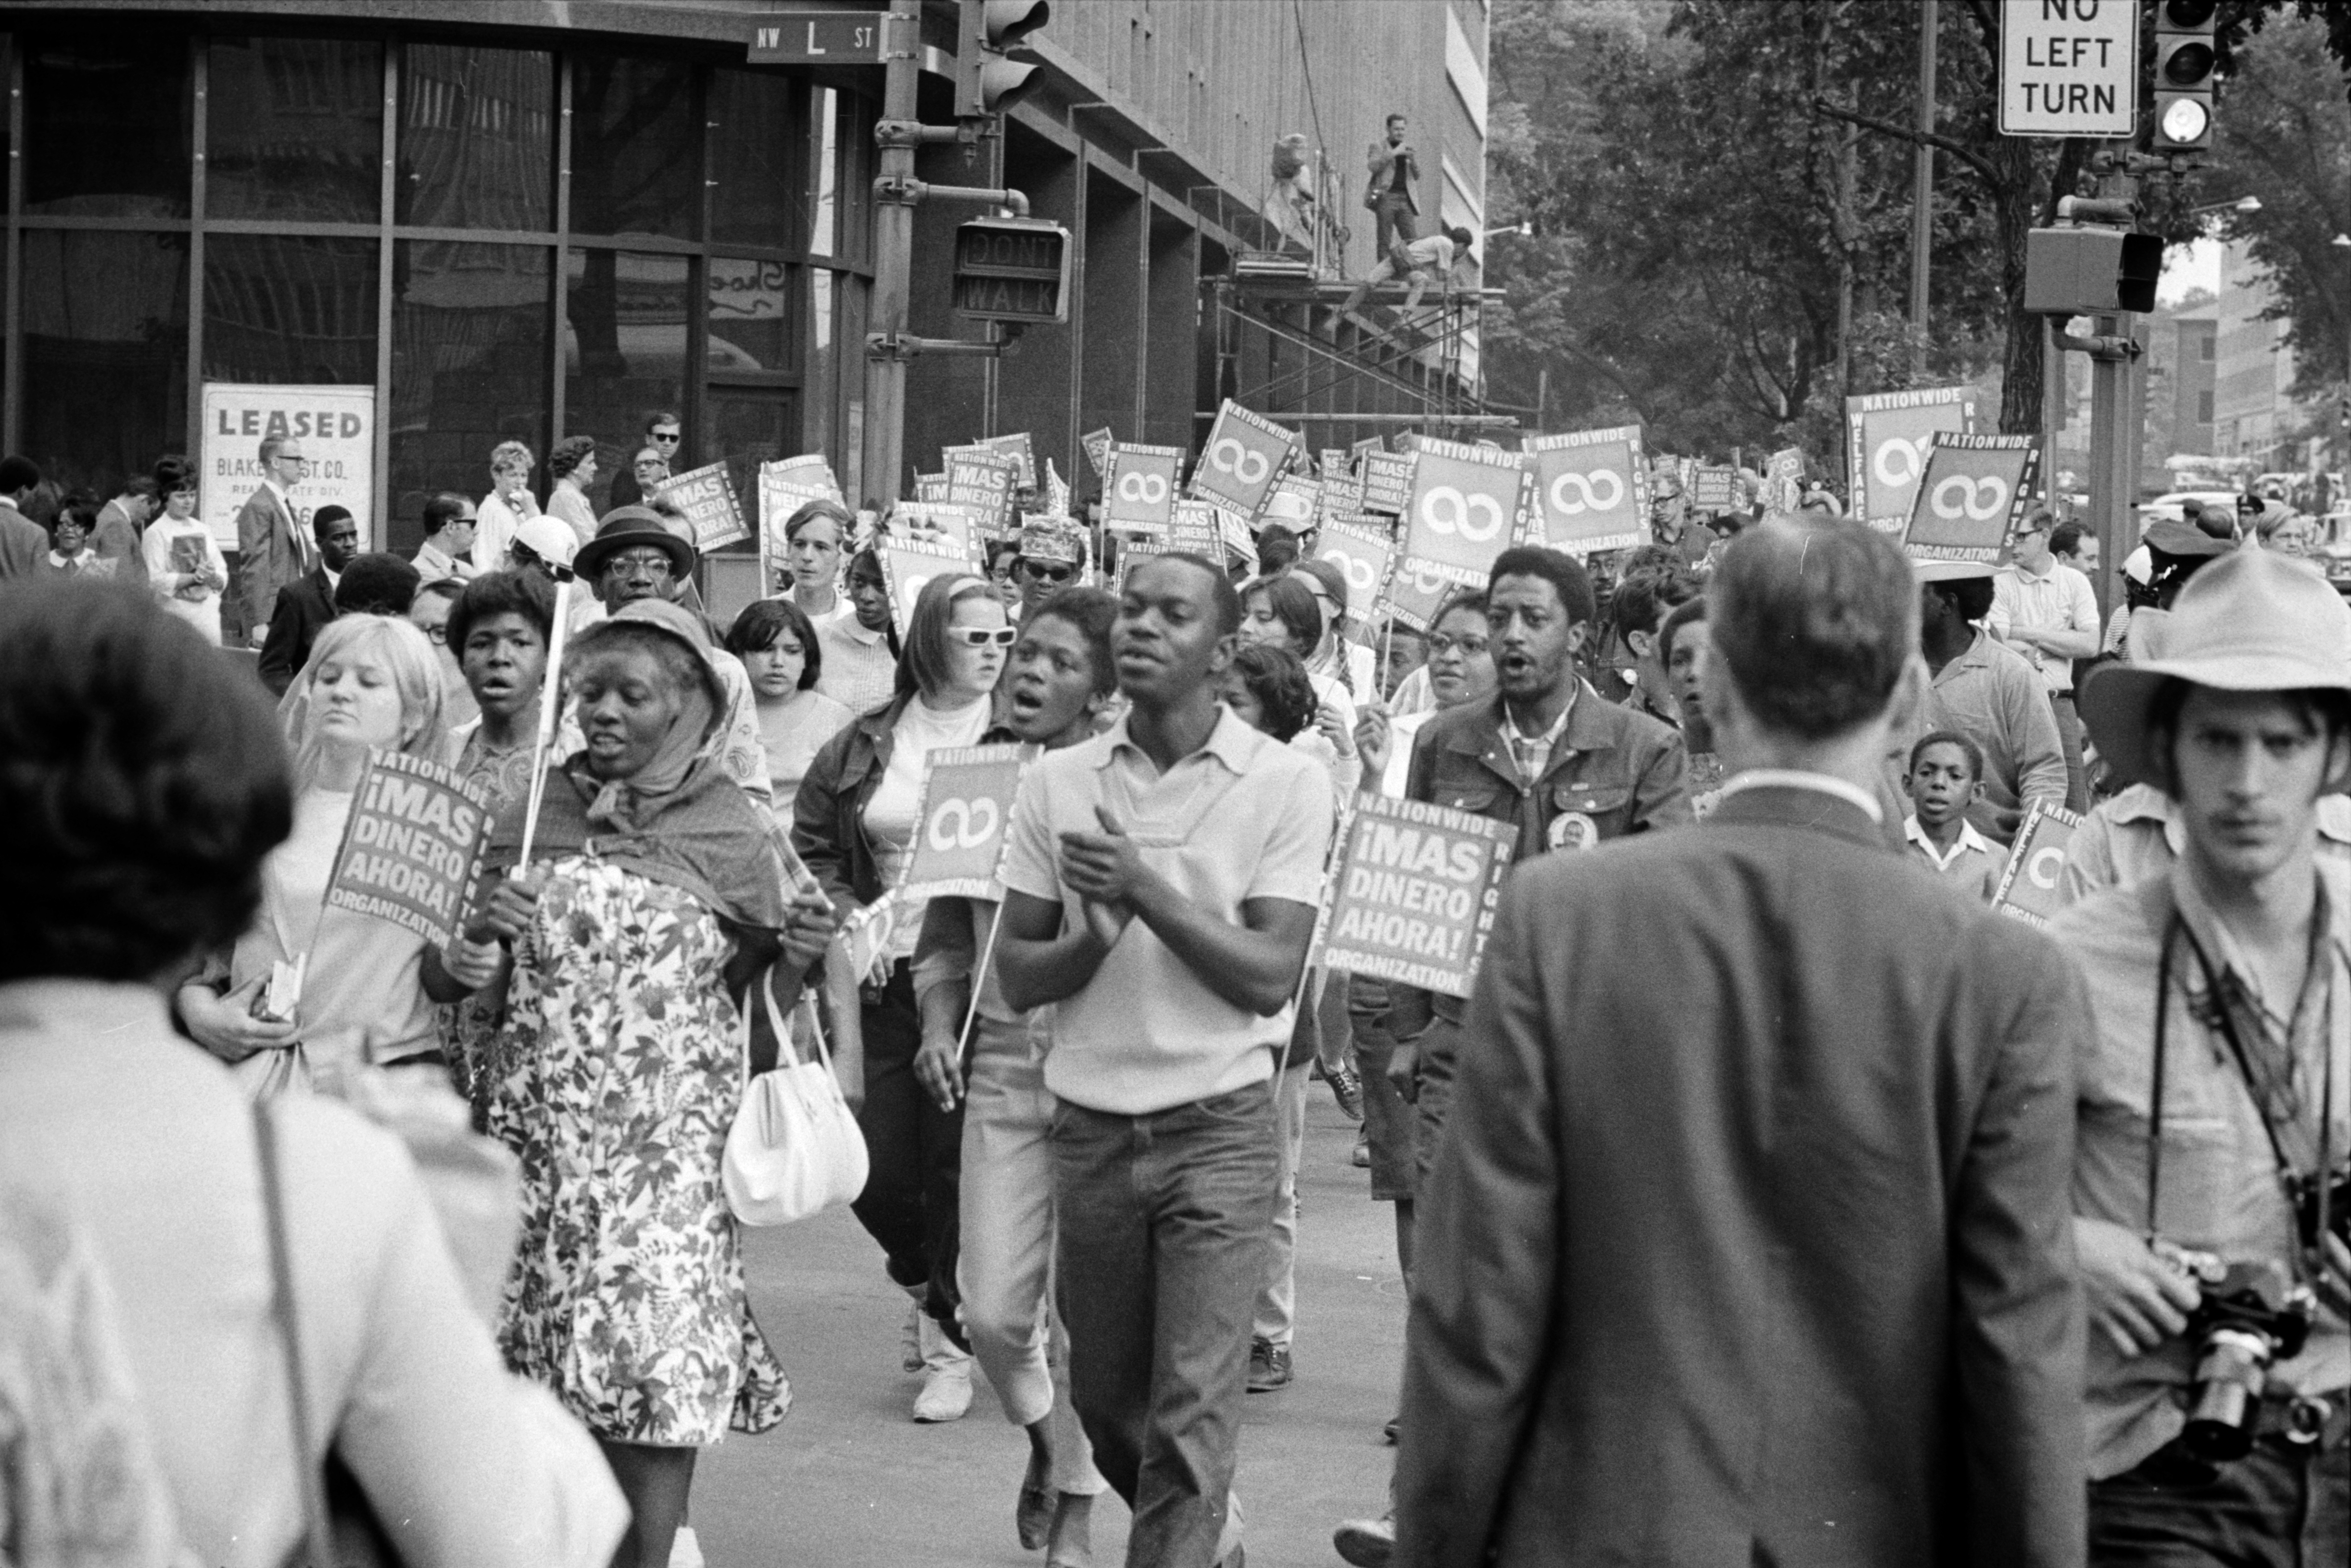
2214	1102
636	556
1749	1240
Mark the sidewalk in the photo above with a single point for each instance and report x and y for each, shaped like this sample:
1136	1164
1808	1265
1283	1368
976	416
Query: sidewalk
850	1481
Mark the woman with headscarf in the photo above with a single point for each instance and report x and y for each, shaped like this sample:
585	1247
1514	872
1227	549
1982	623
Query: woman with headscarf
366	987
658	900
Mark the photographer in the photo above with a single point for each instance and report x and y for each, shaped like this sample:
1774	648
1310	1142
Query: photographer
2212	1117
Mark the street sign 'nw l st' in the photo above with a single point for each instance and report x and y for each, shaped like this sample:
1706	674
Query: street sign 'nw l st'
817	38
2068	68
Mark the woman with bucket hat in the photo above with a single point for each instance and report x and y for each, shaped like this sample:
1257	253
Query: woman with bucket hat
2212	1123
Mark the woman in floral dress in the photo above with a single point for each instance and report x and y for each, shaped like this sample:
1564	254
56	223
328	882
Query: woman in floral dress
657	897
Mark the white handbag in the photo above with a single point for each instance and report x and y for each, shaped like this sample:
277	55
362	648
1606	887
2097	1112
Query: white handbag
794	1148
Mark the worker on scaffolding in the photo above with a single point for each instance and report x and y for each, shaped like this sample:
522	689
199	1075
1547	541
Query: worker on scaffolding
1418	263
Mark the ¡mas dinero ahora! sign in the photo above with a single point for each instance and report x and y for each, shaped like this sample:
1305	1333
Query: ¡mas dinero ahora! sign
1414	894
412	847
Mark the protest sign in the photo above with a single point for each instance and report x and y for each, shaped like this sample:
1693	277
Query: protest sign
1415	592
981	481
785	485
1887	438
1367	445
931	489
1413	893
1139	485
959	837
1193	529
1388	482
1332	461
1343	497
1097	445
1591	489
335	427
1364	556
1295	501
1233	534
1245	454
1714	488
947	526
1973	489
1018	447
2028	889
413	848
707	496
1783	480
1464	507
907	565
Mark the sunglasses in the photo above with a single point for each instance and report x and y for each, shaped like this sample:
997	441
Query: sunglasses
983	637
1042	572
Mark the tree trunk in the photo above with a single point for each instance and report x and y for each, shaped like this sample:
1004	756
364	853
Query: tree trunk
2022	367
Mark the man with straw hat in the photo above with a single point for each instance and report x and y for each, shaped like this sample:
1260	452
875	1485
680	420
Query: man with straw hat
2212	1102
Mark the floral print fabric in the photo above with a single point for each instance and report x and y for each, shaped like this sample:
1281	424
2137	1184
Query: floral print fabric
616	1078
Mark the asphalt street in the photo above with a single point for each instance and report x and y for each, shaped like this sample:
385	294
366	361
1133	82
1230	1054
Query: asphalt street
848	1480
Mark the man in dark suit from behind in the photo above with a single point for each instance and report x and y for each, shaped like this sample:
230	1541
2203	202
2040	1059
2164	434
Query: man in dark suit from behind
1749	1241
308	602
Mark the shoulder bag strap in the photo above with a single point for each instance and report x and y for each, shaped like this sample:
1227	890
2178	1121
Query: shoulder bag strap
308	1475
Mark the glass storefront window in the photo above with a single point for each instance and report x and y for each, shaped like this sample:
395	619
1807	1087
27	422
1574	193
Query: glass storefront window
294	130
752	307
823	368
636	148
623	349
476	143
824	163
750	426
289	309
858	165
106	353
754	173
469	367
107	119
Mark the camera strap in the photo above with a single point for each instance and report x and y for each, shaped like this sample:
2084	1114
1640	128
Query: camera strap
2229	1008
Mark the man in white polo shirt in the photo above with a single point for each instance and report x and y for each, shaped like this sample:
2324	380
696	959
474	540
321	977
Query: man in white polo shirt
2044	606
1160	889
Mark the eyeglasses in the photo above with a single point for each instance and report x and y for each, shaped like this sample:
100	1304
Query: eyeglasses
1468	647
982	636
439	634
1046	572
672	438
629	563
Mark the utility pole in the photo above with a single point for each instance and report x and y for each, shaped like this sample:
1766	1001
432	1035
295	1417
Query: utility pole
893	251
1922	195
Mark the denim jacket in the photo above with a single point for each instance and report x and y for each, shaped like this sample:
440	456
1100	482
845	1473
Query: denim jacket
829	813
1613	771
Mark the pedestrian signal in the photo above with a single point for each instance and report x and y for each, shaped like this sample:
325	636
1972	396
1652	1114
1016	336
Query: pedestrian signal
2082	272
1012	269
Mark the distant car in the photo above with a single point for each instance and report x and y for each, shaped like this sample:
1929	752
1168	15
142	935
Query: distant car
2172	507
2331	548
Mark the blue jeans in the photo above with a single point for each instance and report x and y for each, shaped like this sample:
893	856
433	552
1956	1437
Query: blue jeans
1165	1220
2279	1507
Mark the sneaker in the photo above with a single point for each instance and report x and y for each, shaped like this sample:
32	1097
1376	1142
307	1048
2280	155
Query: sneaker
1347	1089
1362	1155
685	1550
910	1340
1268	1366
946	1393
1366	1542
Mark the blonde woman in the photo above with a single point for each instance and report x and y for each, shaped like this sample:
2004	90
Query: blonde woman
508	506
367	986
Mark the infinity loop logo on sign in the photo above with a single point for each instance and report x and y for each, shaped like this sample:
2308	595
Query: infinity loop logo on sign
1899	461
975	823
1362	576
1588	486
1447	511
2044	866
1244	463
1973	492
1150	489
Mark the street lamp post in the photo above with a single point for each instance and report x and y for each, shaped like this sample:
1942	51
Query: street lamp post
2343	417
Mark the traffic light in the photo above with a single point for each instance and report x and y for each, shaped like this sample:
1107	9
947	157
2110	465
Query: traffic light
1012	269
2184	65
2083	272
987	81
